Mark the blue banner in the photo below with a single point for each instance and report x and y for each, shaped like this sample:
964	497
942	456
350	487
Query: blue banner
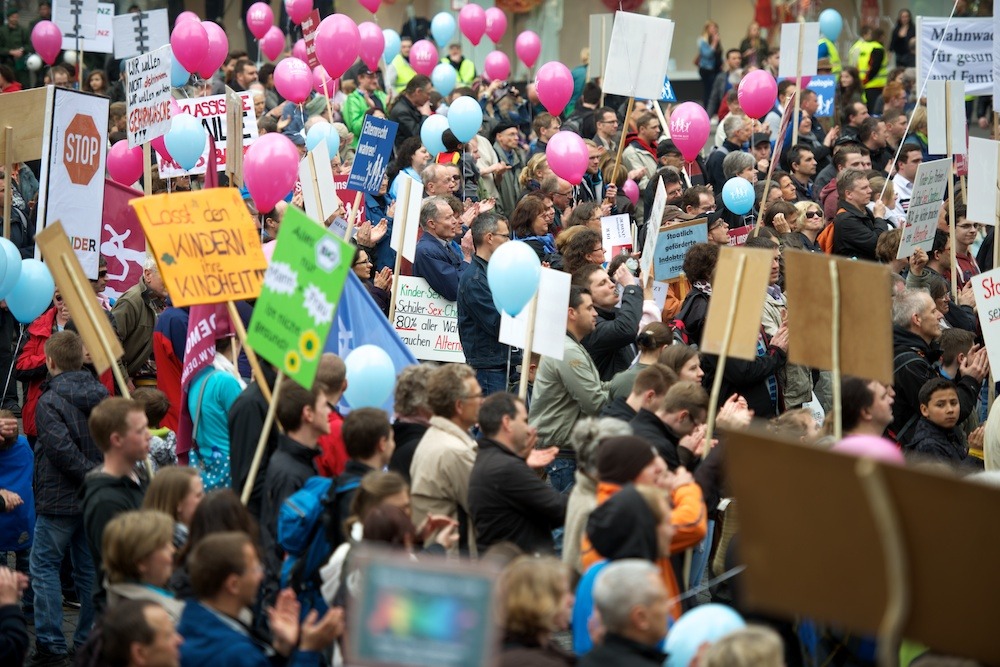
824	86
372	158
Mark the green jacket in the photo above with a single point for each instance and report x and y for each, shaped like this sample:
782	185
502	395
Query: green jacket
135	315
13	38
354	109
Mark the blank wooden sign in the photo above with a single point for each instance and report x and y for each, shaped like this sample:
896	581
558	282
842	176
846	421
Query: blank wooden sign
749	301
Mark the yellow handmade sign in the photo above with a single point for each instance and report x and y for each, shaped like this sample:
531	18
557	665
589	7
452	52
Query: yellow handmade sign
205	243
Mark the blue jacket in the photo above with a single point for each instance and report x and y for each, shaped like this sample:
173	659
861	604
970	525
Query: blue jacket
210	641
16	468
377	208
439	266
479	321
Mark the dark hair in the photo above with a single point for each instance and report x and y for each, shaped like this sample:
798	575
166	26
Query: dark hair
155	402
494	409
842	151
66	350
653	336
485	223
675	356
868	127
953	342
582	213
961	211
692	197
941	240
591	93
390	525
600	112
416	83
581	277
904	152
404	157
784	207
294	399
730	52
523	217
783	86
265	72
576	295
362	430
214	559
581	245
700	260
855	396
121	626
656	377
933	386
7	73
241	65
219	511
794	154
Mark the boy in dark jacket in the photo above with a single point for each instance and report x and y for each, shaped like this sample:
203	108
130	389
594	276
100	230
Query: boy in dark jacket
937	436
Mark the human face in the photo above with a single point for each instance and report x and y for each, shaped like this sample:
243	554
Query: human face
846	79
908	169
164	650
596	255
585	316
880	411
96	82
806	166
405	46
657	612
520	431
469	403
363	266
854	161
966	232
156	568
547	132
135	441
706	204
250	578
507	139
809	102
102	280
653	473
674	193
154	281
719	233
928	320
750	174
861	193
860	114
258	105
451	179
744	133
733	60
813	219
897	128
691	371
400	500
420	159
607	125
369	82
942	408
602	289
776	267
247	76
540	225
187	506
650	132
496	239
60	79
787	188
593	160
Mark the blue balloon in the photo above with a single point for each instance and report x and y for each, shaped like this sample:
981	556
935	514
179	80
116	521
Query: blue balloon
704	623
333	143
430	134
444	77
186	140
317	133
11	264
513	273
831	23
442	27
391	45
178	75
737	195
465	118
32	294
371	376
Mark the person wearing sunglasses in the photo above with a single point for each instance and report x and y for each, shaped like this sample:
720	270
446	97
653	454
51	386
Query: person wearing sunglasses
808	225
378	284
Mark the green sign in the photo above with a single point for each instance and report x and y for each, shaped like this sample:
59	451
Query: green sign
292	318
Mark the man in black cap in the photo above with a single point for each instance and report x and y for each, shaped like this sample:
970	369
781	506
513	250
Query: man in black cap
760	147
506	142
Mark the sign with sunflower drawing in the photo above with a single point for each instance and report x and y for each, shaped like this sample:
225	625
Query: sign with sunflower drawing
292	318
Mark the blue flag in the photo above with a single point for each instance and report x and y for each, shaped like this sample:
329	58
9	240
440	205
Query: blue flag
360	322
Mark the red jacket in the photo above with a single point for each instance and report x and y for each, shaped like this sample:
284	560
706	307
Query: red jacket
31	366
333	454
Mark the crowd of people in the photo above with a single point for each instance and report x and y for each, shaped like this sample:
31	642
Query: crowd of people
598	496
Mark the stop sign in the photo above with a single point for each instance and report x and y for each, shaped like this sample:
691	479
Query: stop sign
82	149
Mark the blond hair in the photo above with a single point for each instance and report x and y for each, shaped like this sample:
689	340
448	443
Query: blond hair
531	592
752	646
131	538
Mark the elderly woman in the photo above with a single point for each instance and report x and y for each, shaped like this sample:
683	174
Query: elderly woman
809	224
138	555
537	602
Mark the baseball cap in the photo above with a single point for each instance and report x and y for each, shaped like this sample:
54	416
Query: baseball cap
760	138
666	147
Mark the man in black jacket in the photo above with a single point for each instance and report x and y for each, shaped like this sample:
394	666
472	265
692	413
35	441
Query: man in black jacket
856	229
246	421
681	413
650	386
508	501
412	108
612	342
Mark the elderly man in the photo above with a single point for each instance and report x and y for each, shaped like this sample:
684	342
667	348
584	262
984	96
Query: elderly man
435	260
440	180
134	316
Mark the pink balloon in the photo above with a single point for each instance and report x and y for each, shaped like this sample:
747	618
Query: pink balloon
372	44
189	41
270	167
497	66
337	44
299	50
161	149
47	40
554	83
758	91
371	5
528	46
259	19
871	446
567	156
631	190
273	43
319	78
423	57
689	128
293	80
187	16
298	10
496	24
218	49
124	163
472	22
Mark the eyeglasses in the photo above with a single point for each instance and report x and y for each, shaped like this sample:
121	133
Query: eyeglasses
812	214
613	121
506	236
366	260
969	225
102	274
470	397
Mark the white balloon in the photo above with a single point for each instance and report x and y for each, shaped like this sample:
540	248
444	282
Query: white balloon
34	62
70	57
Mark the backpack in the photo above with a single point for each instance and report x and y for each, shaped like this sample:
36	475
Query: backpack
677	325
825	238
308	532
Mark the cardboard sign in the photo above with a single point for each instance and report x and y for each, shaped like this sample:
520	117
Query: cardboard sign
319	193
103	41
739	235
234	137
600	42
205	243
347	196
123	242
616	235
796	36
668	95
20	111
825	87
638	56
944	107
819	492
71	189
76	19
749	301
550	317
140	32
309	28
148	96
409	198
929	189
986	287
984	185
672	244
956	49
653	230
427	322
211	111
372	157
293	316
810	315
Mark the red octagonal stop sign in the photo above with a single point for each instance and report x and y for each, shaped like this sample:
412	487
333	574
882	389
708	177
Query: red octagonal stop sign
82	149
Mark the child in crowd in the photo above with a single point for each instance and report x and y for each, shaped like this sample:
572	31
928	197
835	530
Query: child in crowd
163	441
937	436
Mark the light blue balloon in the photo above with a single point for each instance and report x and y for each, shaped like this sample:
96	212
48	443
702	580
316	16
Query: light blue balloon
391	45
444	77
513	273
11	266
333	143
186	140
442	27
830	24
32	294
317	133
178	75
430	134
465	118
704	623
737	195
371	376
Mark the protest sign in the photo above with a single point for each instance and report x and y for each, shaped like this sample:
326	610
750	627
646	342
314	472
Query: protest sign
996	62
123	243
372	157
825	87
600	42
406	224
205	243
20	111
319	194
348	197
922	213
292	318
76	20
668	95
672	243
234	137
638	56
983	182
986	288
739	235
748	296
427	322
148	96
140	32
550	321
71	189
946	124
616	235
964	50
798	41
103	41
211	111
309	28
653	230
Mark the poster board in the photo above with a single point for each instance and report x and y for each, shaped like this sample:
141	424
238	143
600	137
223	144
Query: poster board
410	197
963	49
310	26
550	317
789	67
140	32
20	110
653	230
319	192
750	292
600	43
983	181
825	87
672	243
234	136
211	111
103	40
638	56
929	188
76	20
616	235
148	96
123	242
427	322
986	288
372	158
942	107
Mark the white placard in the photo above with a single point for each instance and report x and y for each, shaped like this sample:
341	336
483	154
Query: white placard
996	62
550	319
965	53
929	187
638	56
790	50
103	41
319	192
76	19
986	288
660	291
410	196
71	189
147	96
939	106
140	32
426	322
653	229
211	111
600	40
983	186
616	235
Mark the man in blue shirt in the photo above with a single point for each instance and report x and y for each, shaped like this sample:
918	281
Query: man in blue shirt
435	260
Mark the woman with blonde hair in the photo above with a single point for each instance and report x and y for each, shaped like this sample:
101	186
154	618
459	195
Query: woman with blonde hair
918	133
533	174
138	558
808	225
176	491
888	198
536	602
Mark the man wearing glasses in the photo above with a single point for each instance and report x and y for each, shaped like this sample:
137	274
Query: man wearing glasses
607	128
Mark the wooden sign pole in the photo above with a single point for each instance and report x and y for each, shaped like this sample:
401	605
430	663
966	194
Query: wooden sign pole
621	142
147	170
258	456
727	337
241	333
838	429
529	339
798	82
401	220
8	167
951	188
352	217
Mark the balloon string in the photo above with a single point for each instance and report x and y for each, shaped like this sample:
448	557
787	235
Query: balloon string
10	371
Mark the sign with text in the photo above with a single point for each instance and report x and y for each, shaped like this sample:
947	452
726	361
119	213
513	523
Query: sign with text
983	182
123	243
986	287
102	42
211	111
616	235
668	94
406	224
140	32
638	56
292	318
946	106
672	244
372	158
427	322
148	96
929	188
963	48
798	40
739	235
550	318
205	243
309	28
825	87
76	20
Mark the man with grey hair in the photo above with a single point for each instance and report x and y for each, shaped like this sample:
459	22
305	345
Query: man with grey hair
437	180
435	260
740	164
634	607
413	413
916	324
134	316
738	130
